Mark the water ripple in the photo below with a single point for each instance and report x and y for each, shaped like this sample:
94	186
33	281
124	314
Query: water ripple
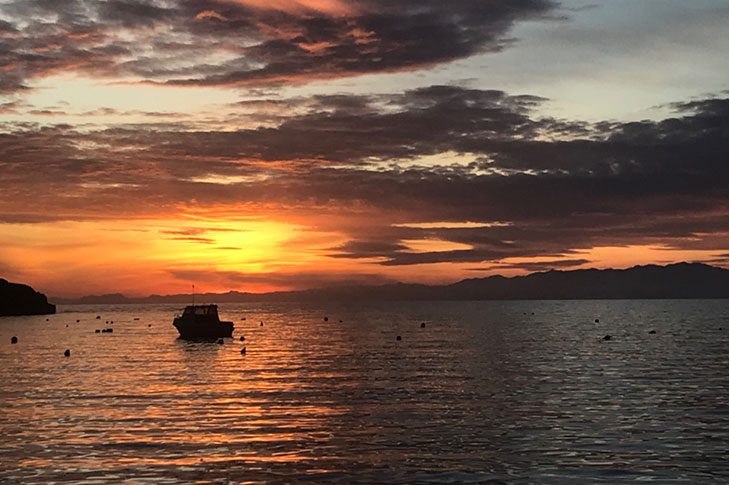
486	392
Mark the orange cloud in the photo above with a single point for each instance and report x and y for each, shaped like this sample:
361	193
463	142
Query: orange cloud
329	7
206	14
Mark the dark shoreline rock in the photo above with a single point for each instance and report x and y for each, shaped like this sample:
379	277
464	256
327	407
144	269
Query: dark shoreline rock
17	299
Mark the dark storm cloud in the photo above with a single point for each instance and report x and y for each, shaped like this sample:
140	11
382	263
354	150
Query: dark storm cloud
551	187
232	42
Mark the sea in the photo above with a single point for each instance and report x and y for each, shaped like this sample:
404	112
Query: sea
471	392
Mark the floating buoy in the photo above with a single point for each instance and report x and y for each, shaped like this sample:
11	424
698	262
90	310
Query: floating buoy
243	350
243	318
326	319
14	340
220	341
422	325
340	321
398	337
97	330
149	324
242	338
78	321
261	324
66	325
607	337
98	317
46	319
652	331
67	353
597	320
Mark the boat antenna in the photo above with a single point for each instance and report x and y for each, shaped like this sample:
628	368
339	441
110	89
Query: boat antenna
193	294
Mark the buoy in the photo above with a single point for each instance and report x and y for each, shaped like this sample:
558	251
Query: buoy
97	330
136	318
652	331
597	320
326	319
340	321
14	340
607	337
243	318
67	353
149	324
46	319
243	350
98	317
261	324
78	321
422	325
242	338
398	338
220	341
66	325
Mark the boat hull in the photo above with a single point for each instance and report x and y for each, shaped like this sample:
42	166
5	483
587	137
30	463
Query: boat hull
192	330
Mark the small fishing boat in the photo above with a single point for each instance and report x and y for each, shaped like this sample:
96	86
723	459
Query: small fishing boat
202	322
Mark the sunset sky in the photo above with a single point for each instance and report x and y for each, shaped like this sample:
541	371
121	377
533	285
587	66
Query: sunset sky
257	145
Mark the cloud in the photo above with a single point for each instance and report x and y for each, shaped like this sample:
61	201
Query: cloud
220	43
376	162
195	239
365	249
545	265
290	280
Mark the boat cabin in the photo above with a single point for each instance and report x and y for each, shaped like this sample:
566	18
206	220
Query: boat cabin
201	310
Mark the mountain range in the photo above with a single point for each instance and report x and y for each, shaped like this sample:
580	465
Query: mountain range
680	280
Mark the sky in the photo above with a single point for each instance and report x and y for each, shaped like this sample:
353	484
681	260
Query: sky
251	145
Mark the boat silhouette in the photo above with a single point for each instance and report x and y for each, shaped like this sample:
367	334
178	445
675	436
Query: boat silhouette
202	322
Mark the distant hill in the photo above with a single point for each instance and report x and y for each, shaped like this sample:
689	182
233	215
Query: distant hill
681	280
17	299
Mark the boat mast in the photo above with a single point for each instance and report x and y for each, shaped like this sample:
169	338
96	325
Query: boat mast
193	295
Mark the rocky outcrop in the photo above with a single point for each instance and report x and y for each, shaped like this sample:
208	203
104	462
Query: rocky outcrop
17	299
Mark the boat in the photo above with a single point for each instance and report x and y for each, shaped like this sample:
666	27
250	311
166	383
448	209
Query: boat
202	322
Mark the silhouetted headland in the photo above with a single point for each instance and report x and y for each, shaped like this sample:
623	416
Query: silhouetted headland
18	299
681	280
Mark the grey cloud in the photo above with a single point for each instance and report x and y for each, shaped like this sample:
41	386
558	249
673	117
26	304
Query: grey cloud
661	182
366	249
546	265
272	46
294	280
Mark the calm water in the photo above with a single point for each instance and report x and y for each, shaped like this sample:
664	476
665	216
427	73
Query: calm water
512	392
